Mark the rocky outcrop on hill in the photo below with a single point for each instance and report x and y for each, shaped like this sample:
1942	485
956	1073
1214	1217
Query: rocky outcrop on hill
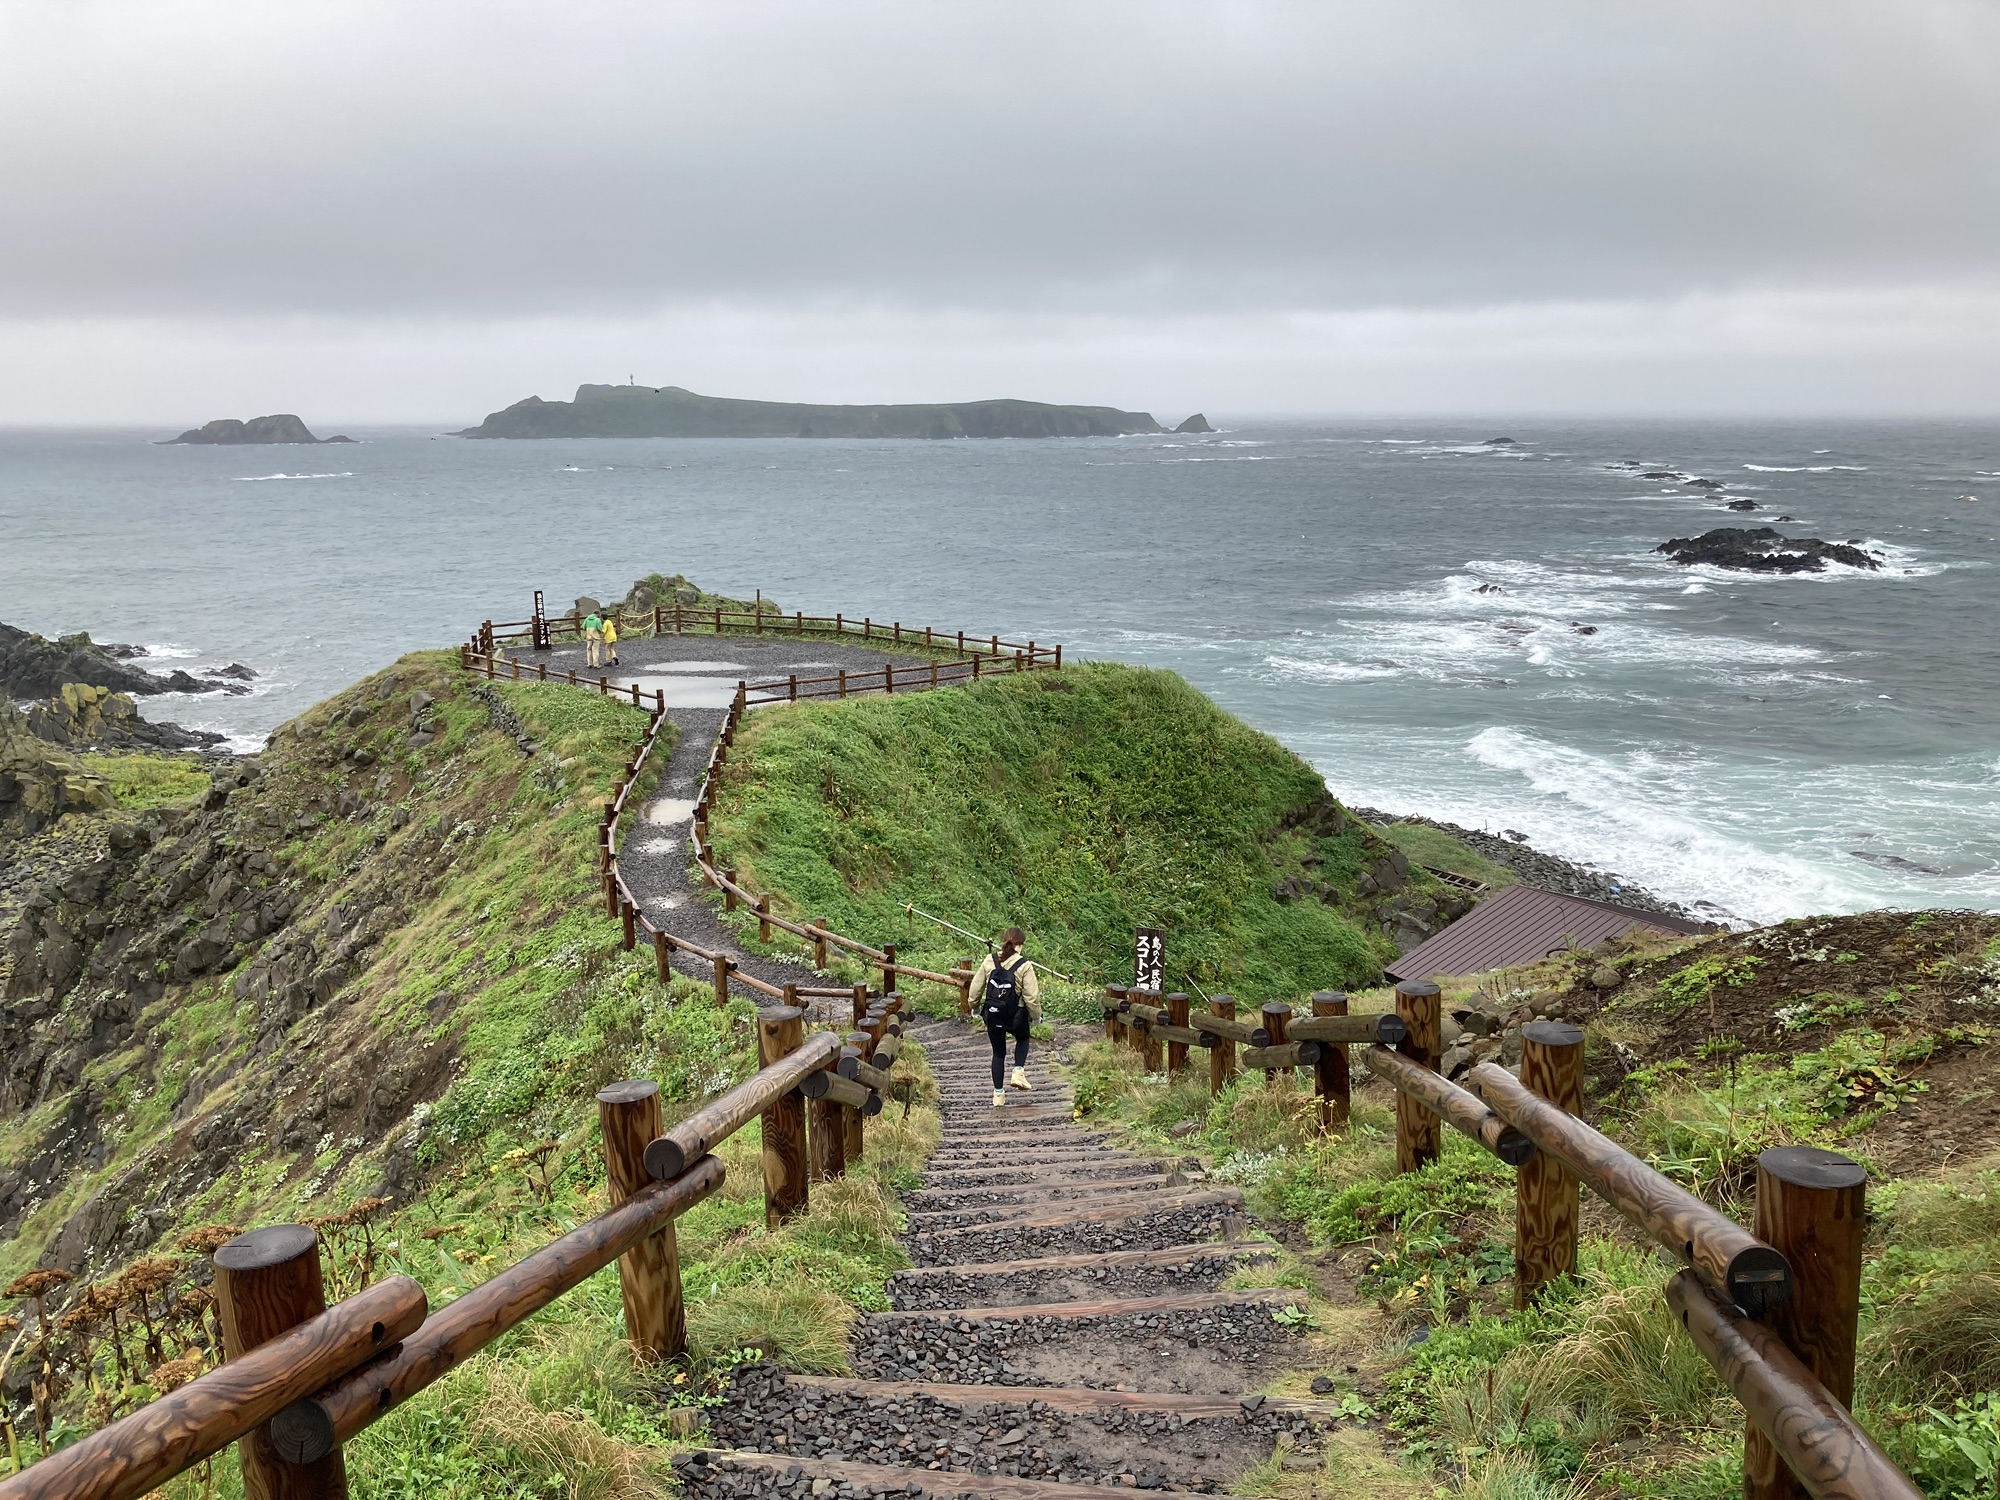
228	431
33	666
631	411
38	782
1195	423
1764	549
81	715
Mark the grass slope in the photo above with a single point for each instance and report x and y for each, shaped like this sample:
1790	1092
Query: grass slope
1077	805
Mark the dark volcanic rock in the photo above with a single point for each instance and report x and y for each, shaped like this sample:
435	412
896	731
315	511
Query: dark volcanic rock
82	715
1742	505
282	427
1701	484
1763	549
33	666
1195	423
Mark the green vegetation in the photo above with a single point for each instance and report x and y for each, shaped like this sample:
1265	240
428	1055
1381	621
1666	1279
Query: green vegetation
1077	805
139	780
1434	847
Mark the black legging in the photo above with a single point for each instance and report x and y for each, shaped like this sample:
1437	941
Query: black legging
997	1035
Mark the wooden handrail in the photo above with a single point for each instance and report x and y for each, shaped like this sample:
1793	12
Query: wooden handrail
138	1452
668	1156
1817	1437
312	1428
1727	1256
1457	1108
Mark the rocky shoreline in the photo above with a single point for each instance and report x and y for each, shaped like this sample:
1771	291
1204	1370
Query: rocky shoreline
1546	872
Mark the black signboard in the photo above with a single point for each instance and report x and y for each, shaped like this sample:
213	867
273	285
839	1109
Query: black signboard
1149	958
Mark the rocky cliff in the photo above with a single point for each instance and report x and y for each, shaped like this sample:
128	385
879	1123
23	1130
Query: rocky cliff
669	411
33	666
280	428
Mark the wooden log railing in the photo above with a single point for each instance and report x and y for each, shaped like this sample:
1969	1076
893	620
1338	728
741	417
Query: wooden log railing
294	1389
540	631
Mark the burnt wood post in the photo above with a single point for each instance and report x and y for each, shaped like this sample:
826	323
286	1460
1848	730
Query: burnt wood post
1177	1015
1331	1075
267	1282
1277	1018
781	1029
1419	1133
649	1274
1547	1199
855	1147
1810	1207
1221	1055
888	968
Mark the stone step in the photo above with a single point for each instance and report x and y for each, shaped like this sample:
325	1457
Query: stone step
1177	1219
1047	1434
1053	1185
728	1474
1225	1343
1064	1278
1045	1200
1022	1174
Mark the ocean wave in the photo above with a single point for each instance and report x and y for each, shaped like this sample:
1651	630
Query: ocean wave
1806	468
261	478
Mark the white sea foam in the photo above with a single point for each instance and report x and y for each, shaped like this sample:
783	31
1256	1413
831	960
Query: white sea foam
261	478
1806	468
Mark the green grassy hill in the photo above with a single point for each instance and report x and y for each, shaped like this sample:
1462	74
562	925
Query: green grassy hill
1076	805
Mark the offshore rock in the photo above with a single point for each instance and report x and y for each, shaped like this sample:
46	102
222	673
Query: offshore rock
1195	423
33	666
228	431
1764	549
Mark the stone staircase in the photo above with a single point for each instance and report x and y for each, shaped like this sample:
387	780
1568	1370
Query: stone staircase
1064	1334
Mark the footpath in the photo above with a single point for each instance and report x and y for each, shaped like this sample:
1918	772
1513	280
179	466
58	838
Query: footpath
1065	1332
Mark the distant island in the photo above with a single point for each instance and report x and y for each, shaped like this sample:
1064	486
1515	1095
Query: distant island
282	428
641	411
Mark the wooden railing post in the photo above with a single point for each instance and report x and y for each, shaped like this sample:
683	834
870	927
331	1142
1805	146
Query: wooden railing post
267	1282
856	1144
1113	994
1419	1133
1547	1200
888	968
1331	1072
963	977
780	1031
860	1002
629	921
1810	1207
649	1274
1277	1018
729	888
721	980
1222	1054
819	944
764	918
663	949
1177	1015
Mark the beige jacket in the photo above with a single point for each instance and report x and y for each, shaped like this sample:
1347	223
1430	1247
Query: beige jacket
1031	991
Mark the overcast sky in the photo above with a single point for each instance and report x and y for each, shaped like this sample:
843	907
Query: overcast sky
382	212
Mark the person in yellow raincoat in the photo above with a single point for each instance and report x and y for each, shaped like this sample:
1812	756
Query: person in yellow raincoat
610	641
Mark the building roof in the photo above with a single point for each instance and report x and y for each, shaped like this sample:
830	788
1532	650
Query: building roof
1521	924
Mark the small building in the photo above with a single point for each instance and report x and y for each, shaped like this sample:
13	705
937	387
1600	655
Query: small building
1522	924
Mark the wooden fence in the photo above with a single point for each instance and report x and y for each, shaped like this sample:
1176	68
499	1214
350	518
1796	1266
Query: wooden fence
1775	1311
540	631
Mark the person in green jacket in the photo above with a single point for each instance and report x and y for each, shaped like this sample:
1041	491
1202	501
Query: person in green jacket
1008	999
593	639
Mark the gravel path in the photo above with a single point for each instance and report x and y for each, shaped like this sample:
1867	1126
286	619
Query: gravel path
1065	1335
699	674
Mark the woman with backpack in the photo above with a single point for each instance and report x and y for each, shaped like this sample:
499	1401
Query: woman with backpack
1005	995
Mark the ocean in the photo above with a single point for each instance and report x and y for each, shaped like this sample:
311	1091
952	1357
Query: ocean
1476	631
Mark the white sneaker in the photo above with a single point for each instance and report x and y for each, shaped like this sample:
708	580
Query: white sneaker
1019	1080
999	1097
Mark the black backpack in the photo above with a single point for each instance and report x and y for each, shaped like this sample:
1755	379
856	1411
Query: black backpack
1003	994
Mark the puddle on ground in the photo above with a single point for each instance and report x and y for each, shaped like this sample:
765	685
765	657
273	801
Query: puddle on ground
667	810
685	692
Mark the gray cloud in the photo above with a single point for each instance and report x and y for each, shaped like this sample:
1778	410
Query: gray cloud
490	160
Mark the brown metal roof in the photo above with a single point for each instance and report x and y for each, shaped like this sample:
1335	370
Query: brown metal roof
1521	924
